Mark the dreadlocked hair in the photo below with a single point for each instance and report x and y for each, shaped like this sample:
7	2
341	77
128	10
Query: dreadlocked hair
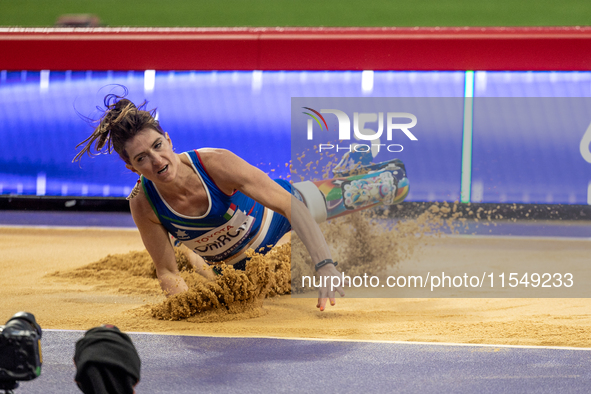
120	122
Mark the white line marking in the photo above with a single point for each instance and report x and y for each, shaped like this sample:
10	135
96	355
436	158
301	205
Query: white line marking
351	340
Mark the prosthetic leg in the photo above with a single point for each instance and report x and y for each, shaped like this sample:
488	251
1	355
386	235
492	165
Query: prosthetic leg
357	185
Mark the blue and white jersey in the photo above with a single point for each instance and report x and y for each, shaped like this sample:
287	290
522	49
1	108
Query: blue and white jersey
231	225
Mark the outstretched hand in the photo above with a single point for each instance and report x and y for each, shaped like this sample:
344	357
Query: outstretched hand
331	284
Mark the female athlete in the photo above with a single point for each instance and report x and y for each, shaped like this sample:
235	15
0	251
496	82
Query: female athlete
210	200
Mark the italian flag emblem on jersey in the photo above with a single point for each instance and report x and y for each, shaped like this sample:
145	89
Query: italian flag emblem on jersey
230	212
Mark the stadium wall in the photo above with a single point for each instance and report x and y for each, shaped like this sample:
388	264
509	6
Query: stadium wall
469	48
490	68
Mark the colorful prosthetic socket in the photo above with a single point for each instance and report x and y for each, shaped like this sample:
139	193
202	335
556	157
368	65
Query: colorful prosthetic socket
359	188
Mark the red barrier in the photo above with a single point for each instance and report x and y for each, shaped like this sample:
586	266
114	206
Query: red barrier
470	48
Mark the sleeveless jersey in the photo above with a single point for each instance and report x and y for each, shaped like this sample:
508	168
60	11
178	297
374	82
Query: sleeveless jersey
231	225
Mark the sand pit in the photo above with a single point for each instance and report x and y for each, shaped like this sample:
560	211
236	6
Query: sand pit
126	296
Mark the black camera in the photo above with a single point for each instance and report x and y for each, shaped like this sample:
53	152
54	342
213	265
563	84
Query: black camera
20	350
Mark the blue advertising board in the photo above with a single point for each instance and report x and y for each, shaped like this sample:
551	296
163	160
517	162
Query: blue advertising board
526	130
529	141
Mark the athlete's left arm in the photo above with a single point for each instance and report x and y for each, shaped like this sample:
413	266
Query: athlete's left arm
230	173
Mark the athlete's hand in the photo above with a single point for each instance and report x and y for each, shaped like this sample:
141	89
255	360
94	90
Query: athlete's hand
331	281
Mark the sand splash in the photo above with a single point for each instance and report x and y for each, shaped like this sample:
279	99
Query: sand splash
361	242
371	241
233	291
367	241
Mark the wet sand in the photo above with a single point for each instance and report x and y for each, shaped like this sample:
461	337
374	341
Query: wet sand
29	259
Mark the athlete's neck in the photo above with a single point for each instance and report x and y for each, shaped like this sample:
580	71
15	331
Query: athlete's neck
184	184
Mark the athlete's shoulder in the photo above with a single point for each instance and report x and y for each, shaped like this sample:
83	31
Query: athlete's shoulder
140	207
217	160
213	153
217	156
221	166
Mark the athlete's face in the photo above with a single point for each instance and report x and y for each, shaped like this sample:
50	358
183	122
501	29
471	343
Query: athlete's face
151	155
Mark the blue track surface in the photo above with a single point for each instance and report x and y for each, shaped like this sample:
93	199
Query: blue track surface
183	364
66	219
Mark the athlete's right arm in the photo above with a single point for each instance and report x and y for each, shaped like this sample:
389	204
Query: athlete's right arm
156	241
